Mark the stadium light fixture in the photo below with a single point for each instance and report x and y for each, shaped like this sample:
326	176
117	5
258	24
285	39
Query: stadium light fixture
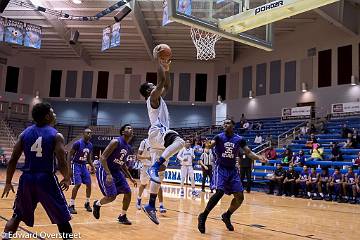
77	1
353	81
304	87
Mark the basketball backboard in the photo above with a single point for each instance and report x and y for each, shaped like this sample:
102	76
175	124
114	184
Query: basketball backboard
245	21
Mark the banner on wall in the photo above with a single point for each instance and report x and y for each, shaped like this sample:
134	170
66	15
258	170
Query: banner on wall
174	176
185	7
106	38
296	113
345	109
14	31
2	28
115	35
166	19
32	36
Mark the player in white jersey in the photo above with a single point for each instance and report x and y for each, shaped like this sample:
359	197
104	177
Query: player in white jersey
147	156
160	135
186	157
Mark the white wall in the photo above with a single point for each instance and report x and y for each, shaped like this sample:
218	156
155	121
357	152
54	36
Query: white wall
289	47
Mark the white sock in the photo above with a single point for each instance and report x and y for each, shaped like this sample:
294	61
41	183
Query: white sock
98	203
161	204
309	194
321	194
87	200
6	235
123	212
72	202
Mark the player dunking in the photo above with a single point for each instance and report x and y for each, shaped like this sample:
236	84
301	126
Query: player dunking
80	155
110	173
226	177
146	155
160	134
38	182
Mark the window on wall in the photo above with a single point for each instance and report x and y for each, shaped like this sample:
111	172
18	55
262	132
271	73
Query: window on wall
169	94
247	81
344	64
102	85
151	77
71	82
55	83
221	87
324	68
290	76
184	86
12	79
275	77
200	87
261	79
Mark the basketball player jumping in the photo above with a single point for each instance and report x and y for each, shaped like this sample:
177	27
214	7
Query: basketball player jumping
148	156
226	177
38	182
160	134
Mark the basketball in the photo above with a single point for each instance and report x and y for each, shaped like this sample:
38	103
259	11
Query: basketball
163	51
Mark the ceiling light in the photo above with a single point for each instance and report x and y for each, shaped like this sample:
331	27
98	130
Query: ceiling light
77	1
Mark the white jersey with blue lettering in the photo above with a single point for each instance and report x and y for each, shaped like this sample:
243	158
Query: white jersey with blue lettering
159	116
145	148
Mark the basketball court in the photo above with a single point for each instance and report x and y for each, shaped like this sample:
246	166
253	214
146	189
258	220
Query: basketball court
260	217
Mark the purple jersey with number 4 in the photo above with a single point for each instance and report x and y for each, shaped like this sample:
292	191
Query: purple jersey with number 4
38	183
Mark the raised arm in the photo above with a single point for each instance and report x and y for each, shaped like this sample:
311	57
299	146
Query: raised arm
17	151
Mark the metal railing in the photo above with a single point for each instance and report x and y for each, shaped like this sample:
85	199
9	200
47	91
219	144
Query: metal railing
261	148
290	134
11	139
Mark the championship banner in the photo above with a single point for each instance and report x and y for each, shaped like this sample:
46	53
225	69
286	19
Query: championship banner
345	109
166	19
115	35
185	7
296	113
32	36
106	39
2	28
174	176
14	31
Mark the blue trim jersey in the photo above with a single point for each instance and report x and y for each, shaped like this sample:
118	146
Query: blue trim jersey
227	148
39	144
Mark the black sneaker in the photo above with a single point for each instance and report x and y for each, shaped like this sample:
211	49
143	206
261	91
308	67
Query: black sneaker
201	222
72	209
226	219
96	211
352	201
124	220
270	193
87	207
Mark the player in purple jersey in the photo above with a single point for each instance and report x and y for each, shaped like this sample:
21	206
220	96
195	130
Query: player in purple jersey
349	185
323	184
38	182
79	156
226	179
312	184
302	182
336	184
110	173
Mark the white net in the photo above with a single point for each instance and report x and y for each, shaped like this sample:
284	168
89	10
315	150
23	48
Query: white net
204	43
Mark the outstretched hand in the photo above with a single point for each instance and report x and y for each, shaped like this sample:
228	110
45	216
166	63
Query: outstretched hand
263	159
7	188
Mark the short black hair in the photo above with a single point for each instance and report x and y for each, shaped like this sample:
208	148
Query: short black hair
39	112
337	168
229	119
144	89
122	129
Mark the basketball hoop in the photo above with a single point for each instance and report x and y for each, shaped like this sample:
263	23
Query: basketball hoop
204	43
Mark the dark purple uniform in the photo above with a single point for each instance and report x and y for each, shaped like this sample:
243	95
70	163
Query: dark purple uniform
115	162
314	181
337	182
38	183
324	180
78	166
226	175
304	175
